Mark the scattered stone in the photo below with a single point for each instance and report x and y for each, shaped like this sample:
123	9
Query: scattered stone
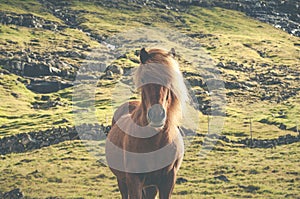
34	140
181	180
28	20
222	178
13	194
115	69
61	121
36	70
16	95
45	98
250	188
48	86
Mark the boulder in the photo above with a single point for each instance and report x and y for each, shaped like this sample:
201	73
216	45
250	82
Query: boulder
181	180
36	69
47	86
115	69
13	194
195	81
27	20
214	84
232	85
222	178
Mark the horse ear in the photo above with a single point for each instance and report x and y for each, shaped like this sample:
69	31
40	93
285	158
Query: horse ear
172	52
144	55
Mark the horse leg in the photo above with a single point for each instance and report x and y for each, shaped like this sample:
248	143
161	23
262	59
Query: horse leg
123	188
167	184
135	186
150	192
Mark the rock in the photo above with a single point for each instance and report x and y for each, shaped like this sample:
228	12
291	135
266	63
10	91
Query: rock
108	75
232	85
45	98
34	140
70	54
115	69
222	178
199	35
47	86
61	121
250	188
214	84
36	70
181	180
195	81
16	95
27	20
13	194
282	126
221	64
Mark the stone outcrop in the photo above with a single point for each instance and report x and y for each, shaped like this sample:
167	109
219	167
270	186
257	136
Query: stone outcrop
29	20
34	140
258	143
46	85
281	14
271	81
13	194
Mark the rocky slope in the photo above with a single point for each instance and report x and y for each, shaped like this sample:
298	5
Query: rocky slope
52	42
44	43
281	14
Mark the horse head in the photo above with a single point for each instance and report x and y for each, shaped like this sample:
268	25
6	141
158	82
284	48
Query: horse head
158	78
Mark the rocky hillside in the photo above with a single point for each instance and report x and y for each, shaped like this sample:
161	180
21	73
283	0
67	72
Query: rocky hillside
46	46
281	14
45	43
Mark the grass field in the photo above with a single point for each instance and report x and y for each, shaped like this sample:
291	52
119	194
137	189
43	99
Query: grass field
71	169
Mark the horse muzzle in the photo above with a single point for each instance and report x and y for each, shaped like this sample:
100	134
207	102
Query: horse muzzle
156	116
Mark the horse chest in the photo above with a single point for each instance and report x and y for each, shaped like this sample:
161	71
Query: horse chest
146	145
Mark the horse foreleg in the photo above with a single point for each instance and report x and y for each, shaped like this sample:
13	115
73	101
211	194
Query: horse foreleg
123	188
150	192
134	186
167	184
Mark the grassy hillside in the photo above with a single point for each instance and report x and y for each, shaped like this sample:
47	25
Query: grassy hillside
258	63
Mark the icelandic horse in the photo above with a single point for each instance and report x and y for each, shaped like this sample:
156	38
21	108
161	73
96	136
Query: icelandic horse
144	148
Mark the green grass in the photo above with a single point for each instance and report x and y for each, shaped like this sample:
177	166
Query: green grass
232	29
48	41
67	170
18	115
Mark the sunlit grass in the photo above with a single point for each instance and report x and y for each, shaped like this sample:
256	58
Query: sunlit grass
68	170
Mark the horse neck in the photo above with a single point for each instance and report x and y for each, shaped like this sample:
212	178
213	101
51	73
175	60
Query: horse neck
139	115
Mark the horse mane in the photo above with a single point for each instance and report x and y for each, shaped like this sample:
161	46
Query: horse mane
162	68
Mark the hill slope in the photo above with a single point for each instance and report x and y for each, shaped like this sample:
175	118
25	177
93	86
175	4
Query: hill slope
45	43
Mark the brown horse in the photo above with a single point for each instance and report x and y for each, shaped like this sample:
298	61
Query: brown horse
144	147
